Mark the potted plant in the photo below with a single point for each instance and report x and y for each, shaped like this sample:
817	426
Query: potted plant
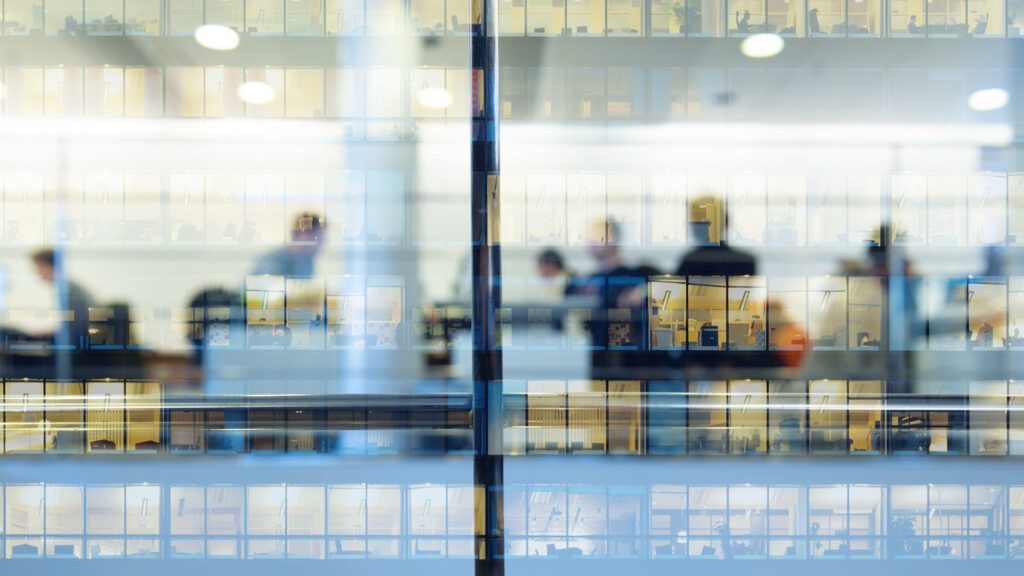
687	15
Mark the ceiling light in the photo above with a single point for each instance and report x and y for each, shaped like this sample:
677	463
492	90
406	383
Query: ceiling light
256	93
437	98
762	45
217	37
988	99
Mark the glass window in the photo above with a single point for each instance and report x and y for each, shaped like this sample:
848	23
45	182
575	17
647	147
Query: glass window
188	510
866	520
384	518
987	522
23	418
987	312
64	517
63	91
907	18
666	417
625	417
104	405
143	402
866	416
1016	416
1016	193
787	518
226	13
747	313
346	17
787	210
64	18
545	17
748	417
787	412
225	510
947	521
987	410
546	417
305	18
23	17
946	18
667	528
708	522
384	17
104	92
668	314
427	16
105	17
142	509
827	311
586	17
745	17
184	16
65	419
104	509
264	17
748	514
625	18
707	417
512	18
1015	18
706	319
747	210
785	17
987	205
787	313
667	209
829	529
947	211
142	18
865	18
827	406
865	313
909	209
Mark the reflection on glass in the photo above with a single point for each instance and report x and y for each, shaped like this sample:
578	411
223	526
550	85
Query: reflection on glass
987	312
708	418
104	405
23	420
866	416
828	411
987	407
748	415
706	320
667	300
747	298
787	426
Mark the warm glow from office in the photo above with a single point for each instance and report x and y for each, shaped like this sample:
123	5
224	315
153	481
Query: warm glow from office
988	99
762	45
217	37
256	93
437	98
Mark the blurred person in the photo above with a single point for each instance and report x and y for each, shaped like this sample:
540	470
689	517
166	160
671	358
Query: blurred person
552	276
70	295
913	27
714	259
743	25
812	21
619	294
298	258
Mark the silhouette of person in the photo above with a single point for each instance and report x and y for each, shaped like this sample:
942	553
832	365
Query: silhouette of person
298	257
710	258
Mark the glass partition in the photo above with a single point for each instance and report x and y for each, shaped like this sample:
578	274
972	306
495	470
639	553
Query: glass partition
748	417
708	418
706	318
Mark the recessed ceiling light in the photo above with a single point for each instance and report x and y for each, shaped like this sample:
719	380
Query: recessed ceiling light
762	45
437	98
988	99
256	93
217	37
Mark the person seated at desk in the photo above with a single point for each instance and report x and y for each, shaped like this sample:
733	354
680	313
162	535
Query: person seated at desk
71	296
980	25
298	257
913	27
743	26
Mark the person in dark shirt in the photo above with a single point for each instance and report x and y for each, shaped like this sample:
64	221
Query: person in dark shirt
619	294
712	258
812	21
71	295
743	26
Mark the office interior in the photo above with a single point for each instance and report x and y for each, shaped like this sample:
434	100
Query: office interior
855	398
